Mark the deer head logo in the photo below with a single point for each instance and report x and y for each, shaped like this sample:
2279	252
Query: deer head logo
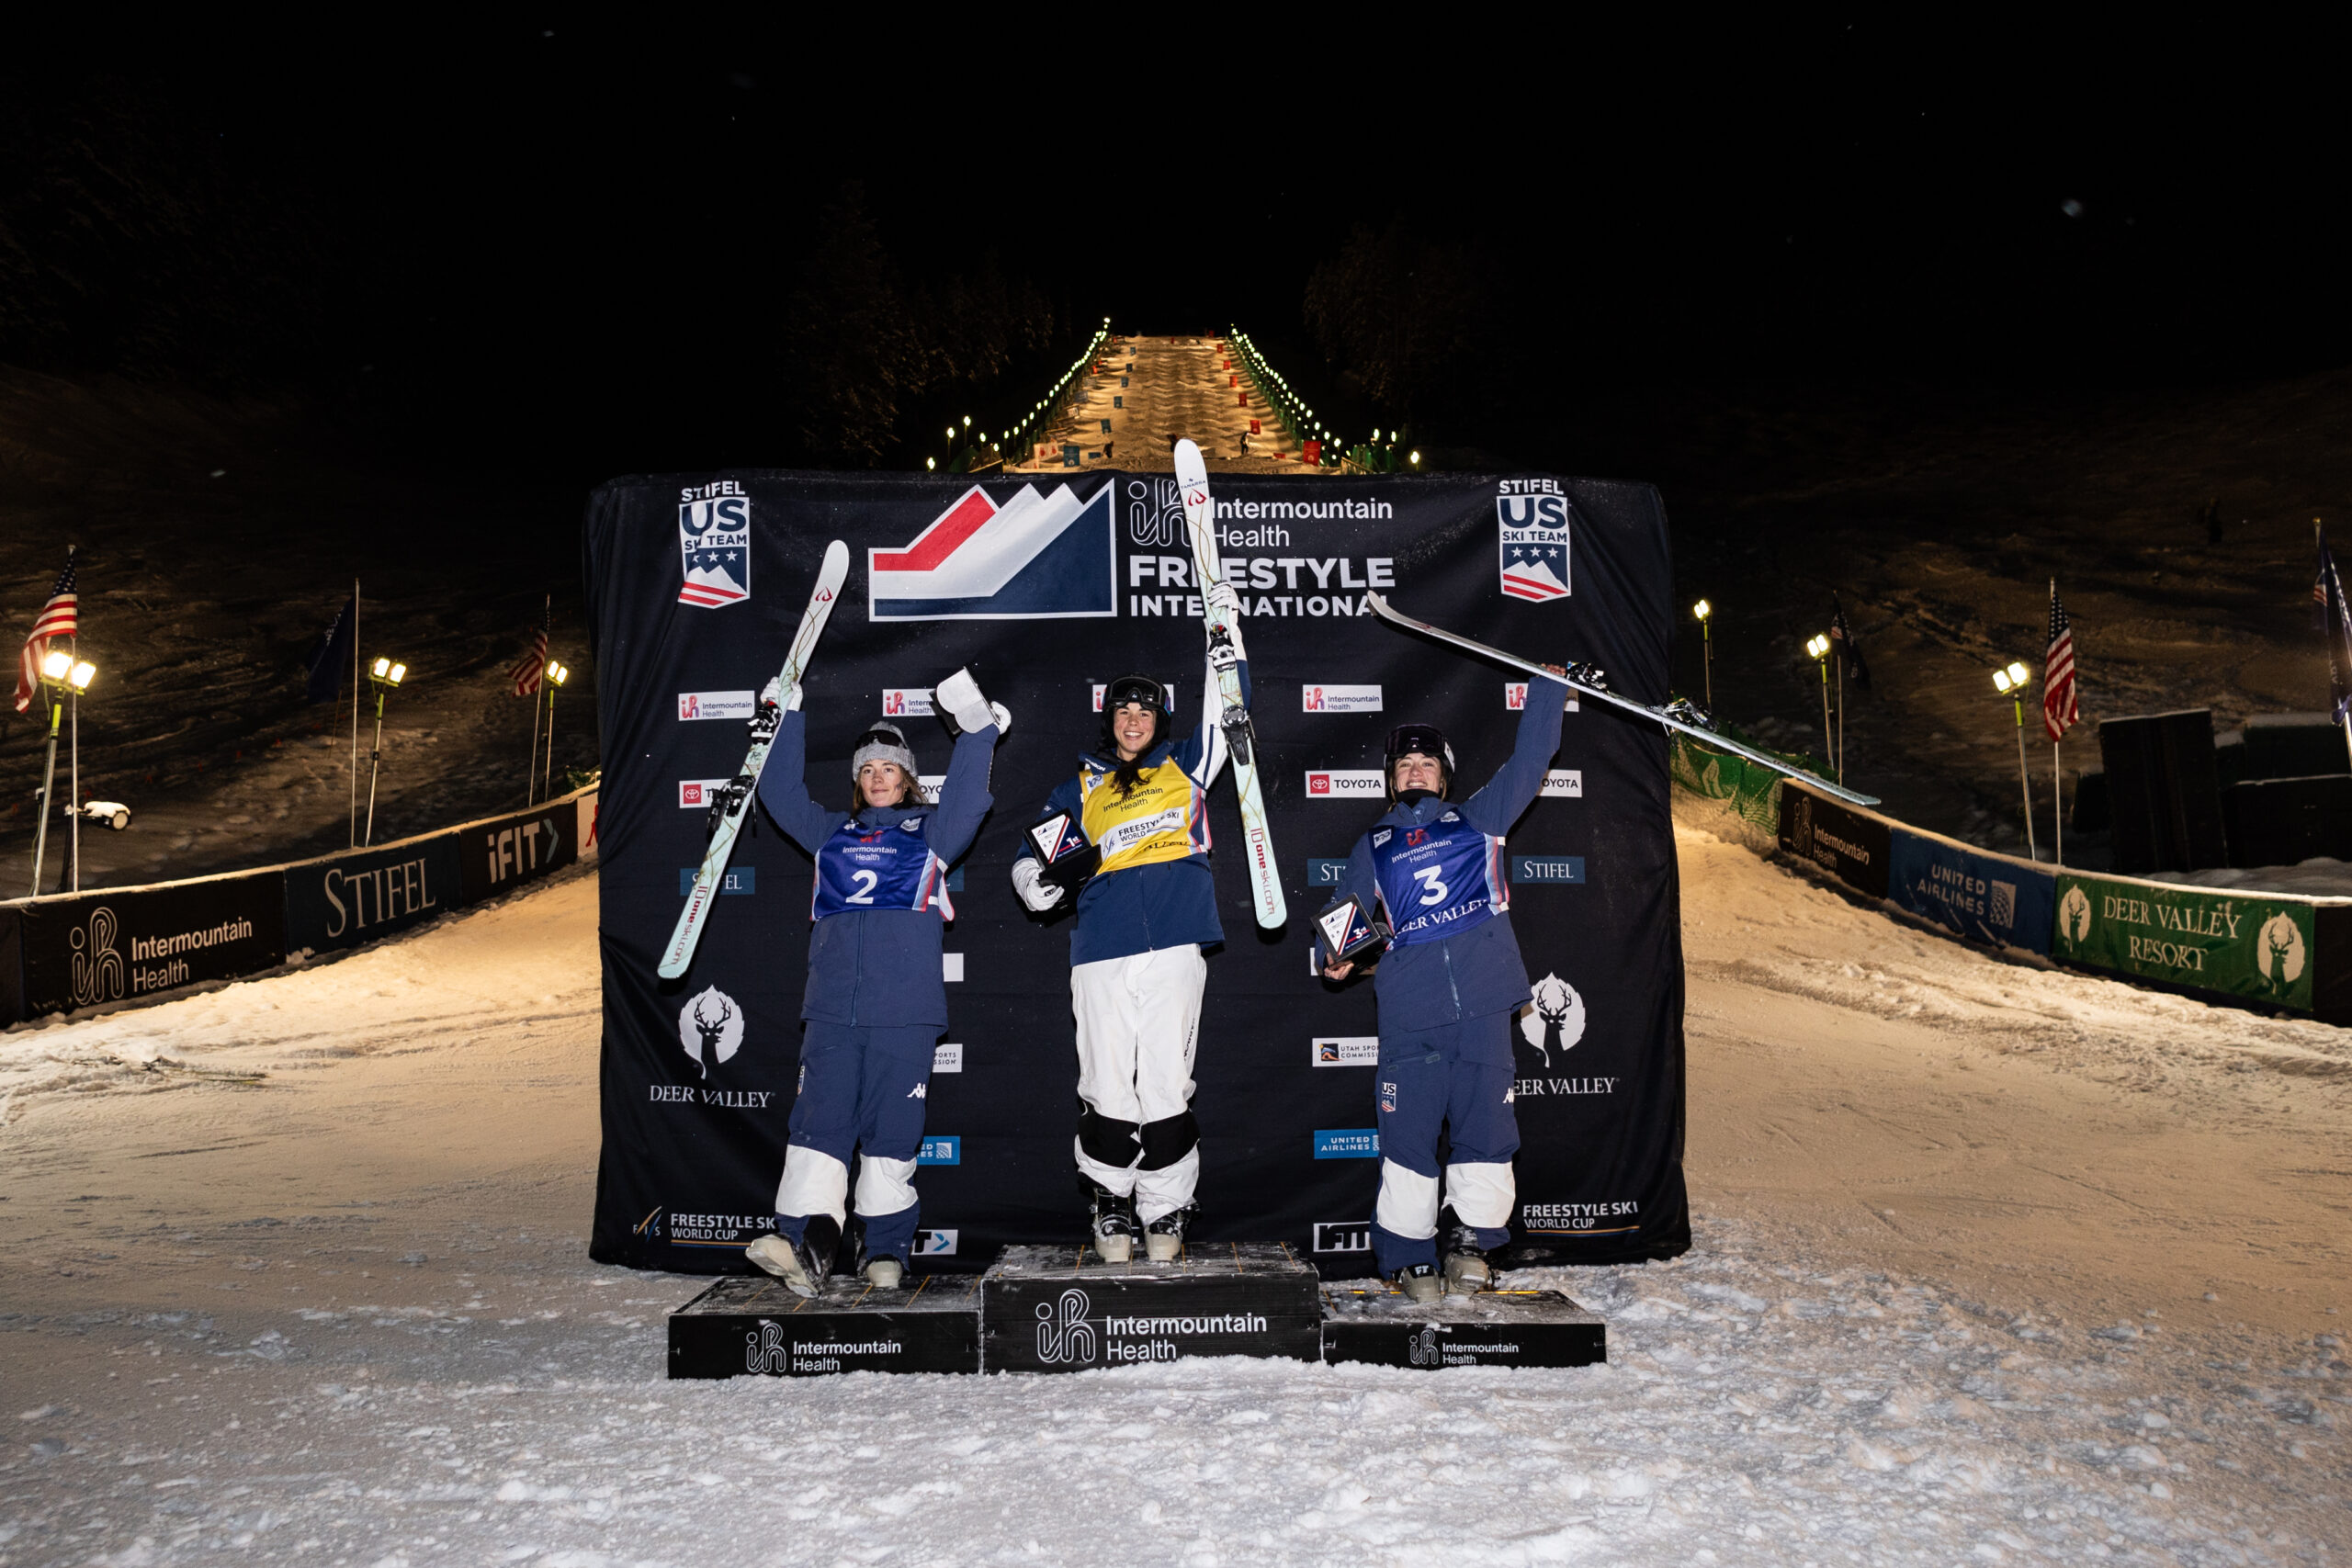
1554	1019
710	1027
2278	952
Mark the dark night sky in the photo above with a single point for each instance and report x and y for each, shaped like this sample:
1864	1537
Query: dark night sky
576	237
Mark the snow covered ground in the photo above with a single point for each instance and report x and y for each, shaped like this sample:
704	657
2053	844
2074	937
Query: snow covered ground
1168	386
1993	1264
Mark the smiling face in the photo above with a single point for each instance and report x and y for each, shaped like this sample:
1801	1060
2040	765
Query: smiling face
1131	728
1419	769
881	784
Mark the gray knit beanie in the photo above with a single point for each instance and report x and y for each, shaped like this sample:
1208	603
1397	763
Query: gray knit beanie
886	742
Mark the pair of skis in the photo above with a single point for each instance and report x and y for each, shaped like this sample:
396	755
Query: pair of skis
735	796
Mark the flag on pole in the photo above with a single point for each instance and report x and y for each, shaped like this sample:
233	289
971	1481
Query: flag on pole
533	666
2060	709
2327	594
59	617
327	658
1848	645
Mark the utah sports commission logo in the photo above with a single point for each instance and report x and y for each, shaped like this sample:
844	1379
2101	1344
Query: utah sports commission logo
715	545
1036	556
1533	516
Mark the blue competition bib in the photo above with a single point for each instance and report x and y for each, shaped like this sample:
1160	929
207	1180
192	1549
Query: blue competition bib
1440	880
887	867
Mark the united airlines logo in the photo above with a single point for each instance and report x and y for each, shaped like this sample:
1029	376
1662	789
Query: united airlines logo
1036	556
1533	516
715	545
1063	1334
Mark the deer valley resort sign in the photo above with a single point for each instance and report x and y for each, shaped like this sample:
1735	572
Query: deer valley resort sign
2246	946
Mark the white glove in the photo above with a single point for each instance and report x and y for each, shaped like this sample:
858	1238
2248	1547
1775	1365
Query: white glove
1003	717
771	692
959	697
1224	604
1029	881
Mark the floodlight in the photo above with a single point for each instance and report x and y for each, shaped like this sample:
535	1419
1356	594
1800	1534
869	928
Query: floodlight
379	668
1703	609
399	672
1415	459
81	675
2019	674
968	422
559	674
55	663
1817	646
950	433
929	464
2002	682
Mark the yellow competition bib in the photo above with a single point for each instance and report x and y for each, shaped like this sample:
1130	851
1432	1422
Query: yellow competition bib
1154	824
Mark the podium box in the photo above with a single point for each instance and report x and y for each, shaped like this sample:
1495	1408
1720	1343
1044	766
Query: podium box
756	1328
1369	1320
1061	1309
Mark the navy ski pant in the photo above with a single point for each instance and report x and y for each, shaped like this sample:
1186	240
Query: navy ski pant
1457	1077
861	1091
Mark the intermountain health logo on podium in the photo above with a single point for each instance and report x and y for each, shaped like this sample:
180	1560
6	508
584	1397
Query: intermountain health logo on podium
1036	556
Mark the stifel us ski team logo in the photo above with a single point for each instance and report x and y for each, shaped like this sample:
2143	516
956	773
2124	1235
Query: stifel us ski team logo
1534	542
715	545
1036	556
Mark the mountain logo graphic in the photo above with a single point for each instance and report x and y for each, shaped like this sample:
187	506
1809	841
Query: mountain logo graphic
1036	556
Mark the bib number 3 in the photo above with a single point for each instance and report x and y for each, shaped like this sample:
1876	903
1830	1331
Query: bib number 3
1434	889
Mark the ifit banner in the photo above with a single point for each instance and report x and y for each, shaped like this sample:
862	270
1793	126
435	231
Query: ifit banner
1048	588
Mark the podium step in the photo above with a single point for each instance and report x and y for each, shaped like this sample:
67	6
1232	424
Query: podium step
1369	1321
756	1328
1060	1309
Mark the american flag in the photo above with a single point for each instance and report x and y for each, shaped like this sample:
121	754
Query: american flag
2060	710
529	669
59	617
2327	594
1848	645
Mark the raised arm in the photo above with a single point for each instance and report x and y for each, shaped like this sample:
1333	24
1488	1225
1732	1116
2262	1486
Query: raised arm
784	787
1516	783
1201	753
964	798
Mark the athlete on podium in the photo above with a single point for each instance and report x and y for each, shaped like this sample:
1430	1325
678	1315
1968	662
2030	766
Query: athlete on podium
875	1005
1144	913
1447	987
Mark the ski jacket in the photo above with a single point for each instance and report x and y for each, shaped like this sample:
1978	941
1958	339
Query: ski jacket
1154	888
878	964
1438	868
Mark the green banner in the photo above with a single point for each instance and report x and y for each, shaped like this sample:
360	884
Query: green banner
2240	944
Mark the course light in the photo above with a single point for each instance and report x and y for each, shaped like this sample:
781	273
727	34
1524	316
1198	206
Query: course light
2002	682
55	663
80	676
950	433
968	422
1703	609
1415	459
559	674
929	464
2019	674
1818	648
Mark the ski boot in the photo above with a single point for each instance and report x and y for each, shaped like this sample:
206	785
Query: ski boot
884	1273
1114	1227
1420	1282
1466	1269
1163	1239
802	1265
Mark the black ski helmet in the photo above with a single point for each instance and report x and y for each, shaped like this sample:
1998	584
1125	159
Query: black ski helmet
1426	738
1139	688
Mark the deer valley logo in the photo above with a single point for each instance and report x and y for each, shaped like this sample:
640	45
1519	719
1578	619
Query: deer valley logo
1554	1019
1533	517
1422	1349
1155	513
715	545
1063	1334
710	1027
2074	915
97	967
2278	950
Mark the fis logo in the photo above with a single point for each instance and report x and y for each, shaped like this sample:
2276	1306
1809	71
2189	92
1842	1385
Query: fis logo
1533	517
1036	557
715	545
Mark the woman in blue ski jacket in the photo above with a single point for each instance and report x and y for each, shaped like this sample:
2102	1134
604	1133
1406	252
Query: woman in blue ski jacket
1446	988
874	1006
1137	969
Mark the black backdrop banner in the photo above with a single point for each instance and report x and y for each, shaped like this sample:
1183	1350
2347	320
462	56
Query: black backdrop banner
1048	588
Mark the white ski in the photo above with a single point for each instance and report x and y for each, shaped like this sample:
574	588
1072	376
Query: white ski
734	802
1240	741
1590	683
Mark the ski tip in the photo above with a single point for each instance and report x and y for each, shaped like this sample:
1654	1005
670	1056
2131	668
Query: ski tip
669	969
1190	468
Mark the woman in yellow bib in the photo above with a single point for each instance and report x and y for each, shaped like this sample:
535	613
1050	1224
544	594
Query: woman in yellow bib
1135	953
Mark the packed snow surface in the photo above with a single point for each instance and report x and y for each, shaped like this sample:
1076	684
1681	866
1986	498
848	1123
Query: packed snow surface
1993	1264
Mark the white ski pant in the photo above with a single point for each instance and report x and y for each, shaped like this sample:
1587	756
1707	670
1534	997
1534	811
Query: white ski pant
1138	1023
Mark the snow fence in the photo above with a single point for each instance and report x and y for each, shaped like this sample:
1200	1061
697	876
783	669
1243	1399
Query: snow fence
2278	949
71	950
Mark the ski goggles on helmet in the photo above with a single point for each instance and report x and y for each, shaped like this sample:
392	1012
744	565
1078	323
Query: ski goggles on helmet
1141	690
1425	738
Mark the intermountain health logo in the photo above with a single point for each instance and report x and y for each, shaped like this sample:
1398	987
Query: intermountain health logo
710	1027
715	545
1036	557
1533	517
1064	1337
97	967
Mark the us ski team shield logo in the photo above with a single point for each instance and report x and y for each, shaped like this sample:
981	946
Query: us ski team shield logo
1534	546
1034	556
715	545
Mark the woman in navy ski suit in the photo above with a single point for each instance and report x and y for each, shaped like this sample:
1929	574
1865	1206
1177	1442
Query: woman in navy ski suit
874	1006
1447	987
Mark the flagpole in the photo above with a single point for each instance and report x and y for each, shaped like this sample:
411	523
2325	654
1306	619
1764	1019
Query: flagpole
74	780
2025	786
549	788
531	773
1841	715
2057	807
355	713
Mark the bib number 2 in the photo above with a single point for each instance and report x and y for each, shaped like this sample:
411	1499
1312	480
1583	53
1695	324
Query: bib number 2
867	881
